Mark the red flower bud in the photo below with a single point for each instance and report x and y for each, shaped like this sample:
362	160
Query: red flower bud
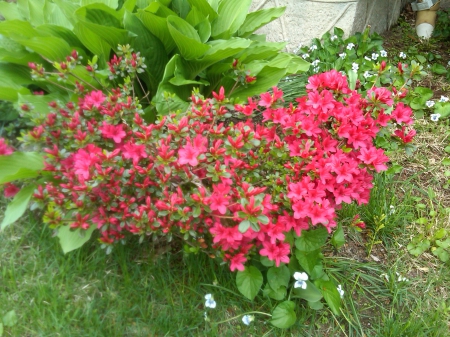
382	65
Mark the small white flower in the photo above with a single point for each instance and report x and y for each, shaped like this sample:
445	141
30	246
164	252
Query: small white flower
300	280
315	62
401	278
210	303
391	209
316	69
342	55
429	104
374	56
386	276
448	63
367	58
313	47
340	291
443	99
298	48
350	46
366	74
305	56
383	53
435	117
247	319
402	55
355	66
333	37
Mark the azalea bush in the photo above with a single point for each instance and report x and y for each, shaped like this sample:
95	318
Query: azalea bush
256	185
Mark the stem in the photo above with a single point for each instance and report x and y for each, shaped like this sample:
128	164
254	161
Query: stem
251	312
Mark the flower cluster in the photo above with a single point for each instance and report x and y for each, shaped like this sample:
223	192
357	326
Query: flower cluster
214	176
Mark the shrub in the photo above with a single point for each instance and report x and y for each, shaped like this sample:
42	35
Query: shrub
246	183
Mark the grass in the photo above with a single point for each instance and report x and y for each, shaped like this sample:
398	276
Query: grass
151	289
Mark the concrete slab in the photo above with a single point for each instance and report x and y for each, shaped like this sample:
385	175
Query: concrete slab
308	19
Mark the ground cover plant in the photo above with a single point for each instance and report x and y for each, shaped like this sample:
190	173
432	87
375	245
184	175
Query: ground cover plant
381	284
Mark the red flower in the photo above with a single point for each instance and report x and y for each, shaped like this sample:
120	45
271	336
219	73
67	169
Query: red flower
10	190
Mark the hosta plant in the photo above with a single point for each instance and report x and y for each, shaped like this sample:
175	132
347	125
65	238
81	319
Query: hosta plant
185	44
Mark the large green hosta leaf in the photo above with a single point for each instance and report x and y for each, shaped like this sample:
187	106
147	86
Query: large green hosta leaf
110	3
232	14
50	47
150	47
53	14
186	38
32	11
205	8
255	20
10	11
20	165
158	27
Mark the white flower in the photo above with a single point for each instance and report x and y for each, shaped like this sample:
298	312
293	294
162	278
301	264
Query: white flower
367	58
366	74
350	46
402	55
333	37
391	209
305	56
210	303
355	66
374	56
435	117
313	47
401	278
342	55
443	99
315	62
386	276
340	291
448	63
383	53
300	280
247	319
298	48
316	69
429	104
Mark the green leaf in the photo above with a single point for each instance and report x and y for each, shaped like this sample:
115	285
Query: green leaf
263	219
50	47
17	206
69	9
338	238
440	233
278	294
284	315
266	262
10	318
186	38
110	3
352	77
231	16
20	165
1	329
416	248
278	276
444	244
249	281
32	11
316	305
310	294
244	226
256	20
265	79
93	42
205	8
331	295
446	161
10	11
312	239
150	47
308	259
71	240
54	15
158	27
442	254
438	69
443	109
